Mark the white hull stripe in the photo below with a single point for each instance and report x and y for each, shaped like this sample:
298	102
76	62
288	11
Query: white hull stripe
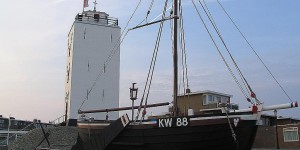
125	120
243	117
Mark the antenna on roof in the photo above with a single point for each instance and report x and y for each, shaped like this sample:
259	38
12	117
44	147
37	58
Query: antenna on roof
95	3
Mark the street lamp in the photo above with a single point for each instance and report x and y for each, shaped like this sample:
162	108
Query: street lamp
277	144
133	96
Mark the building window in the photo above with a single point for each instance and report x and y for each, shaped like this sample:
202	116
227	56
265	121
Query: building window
224	100
204	100
290	134
219	99
210	99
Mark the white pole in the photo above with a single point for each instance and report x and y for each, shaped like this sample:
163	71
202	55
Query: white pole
7	139
272	107
280	106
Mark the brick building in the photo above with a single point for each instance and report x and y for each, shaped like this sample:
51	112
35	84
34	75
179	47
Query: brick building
287	132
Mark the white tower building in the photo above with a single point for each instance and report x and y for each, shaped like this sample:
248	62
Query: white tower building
93	65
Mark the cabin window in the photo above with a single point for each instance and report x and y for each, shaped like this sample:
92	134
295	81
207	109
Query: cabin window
290	134
204	100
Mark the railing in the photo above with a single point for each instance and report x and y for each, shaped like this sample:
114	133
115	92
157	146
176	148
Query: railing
7	135
58	120
97	19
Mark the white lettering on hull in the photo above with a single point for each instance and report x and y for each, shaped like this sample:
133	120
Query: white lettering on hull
173	122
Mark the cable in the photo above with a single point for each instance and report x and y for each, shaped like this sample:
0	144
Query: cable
227	65
232	131
254	51
184	49
151	69
223	42
148	12
182	46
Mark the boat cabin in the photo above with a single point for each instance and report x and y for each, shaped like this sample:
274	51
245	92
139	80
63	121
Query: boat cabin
204	101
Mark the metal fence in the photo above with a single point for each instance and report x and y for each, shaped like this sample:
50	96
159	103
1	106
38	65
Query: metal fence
97	19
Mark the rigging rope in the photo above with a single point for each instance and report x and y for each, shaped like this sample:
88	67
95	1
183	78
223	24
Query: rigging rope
233	60
185	81
182	39
254	51
181	50
148	12
154	19
220	53
232	130
151	68
112	52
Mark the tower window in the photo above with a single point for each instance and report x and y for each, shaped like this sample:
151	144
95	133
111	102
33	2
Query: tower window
84	33
88	65
111	38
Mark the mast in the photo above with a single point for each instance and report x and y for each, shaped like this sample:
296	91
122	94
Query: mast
175	59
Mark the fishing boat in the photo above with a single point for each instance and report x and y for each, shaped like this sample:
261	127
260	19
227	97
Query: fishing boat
221	128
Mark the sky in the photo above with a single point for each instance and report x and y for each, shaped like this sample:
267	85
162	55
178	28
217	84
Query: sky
33	48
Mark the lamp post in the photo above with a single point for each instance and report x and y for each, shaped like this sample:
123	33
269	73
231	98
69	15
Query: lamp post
133	96
277	144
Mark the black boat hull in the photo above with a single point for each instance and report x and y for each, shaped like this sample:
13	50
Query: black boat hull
205	134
